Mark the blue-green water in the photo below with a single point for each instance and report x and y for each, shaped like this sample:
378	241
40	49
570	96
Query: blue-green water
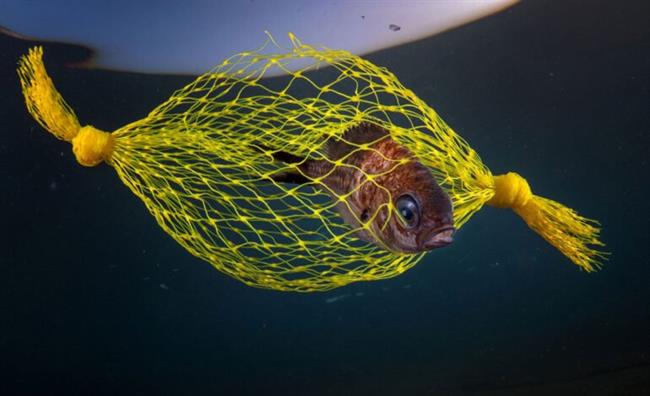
96	299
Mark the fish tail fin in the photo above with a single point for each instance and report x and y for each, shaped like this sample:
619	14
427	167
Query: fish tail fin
290	177
277	155
285	157
286	176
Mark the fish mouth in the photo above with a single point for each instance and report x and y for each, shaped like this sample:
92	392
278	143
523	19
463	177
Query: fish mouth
439	237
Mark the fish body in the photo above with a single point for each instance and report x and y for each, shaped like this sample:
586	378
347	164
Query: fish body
366	170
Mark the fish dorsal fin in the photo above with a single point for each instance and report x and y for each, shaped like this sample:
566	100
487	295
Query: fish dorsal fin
365	132
362	133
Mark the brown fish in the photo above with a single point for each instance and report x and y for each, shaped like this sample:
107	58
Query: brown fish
423	217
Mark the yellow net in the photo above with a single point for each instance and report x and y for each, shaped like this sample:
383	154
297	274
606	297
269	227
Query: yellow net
205	165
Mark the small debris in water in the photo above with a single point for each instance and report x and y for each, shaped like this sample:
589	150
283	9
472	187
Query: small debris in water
164	286
336	298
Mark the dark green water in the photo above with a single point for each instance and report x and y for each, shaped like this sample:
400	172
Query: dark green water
96	299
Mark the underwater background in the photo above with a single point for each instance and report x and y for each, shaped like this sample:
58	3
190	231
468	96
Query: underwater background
96	299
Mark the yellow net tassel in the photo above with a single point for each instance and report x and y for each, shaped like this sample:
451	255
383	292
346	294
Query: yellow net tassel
562	227
90	145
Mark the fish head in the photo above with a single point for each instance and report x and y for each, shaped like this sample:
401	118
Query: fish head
422	218
409	211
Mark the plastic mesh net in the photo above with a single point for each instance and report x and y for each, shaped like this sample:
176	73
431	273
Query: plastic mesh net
203	164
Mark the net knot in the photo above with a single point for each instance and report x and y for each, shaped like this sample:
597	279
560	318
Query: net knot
510	191
92	146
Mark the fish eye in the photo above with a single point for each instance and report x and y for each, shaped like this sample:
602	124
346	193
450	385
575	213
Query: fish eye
408	211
